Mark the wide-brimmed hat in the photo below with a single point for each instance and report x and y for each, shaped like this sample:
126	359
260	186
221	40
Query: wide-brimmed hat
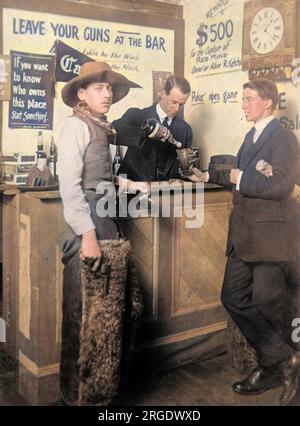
97	72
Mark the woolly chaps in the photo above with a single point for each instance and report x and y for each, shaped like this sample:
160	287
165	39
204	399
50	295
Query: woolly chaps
100	317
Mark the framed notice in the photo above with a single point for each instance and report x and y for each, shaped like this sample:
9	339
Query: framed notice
31	104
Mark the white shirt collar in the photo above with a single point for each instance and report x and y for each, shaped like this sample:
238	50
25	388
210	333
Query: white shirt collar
161	114
261	124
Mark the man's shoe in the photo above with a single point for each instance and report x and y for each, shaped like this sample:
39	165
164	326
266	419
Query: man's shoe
290	371
258	381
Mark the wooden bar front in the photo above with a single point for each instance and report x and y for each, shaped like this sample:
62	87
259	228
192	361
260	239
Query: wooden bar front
181	271
10	211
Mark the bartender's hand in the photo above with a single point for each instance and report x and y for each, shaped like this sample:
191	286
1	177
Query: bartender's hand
234	175
198	176
90	250
164	134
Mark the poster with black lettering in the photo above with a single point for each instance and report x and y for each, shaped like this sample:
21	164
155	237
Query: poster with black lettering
217	40
32	78
132	50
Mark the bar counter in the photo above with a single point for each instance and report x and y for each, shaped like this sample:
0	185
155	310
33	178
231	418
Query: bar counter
181	271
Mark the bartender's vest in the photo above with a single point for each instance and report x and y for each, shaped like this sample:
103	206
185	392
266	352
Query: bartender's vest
97	158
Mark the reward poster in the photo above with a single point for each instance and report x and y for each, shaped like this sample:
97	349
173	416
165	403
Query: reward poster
217	38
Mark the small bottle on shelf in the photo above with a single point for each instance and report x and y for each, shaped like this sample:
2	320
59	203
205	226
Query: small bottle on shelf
117	160
52	160
41	157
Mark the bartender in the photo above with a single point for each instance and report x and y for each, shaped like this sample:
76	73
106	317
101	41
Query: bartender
153	158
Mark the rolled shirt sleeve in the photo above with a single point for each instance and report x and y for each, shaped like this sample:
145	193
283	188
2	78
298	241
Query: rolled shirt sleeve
73	140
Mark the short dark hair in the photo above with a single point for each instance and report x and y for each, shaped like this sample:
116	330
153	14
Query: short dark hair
180	82
266	89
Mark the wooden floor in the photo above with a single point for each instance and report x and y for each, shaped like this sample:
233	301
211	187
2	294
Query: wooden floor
205	383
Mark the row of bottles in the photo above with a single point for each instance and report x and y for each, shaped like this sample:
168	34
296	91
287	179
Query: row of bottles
41	157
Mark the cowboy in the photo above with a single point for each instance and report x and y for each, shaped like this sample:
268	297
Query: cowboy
84	153
85	163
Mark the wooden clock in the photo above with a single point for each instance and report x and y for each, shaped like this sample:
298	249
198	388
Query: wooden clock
269	33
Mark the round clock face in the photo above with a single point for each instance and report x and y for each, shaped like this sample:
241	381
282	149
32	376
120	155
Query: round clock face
266	30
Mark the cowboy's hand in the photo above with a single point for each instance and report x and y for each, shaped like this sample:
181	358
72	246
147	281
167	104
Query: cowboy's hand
90	250
198	175
128	185
234	175
143	187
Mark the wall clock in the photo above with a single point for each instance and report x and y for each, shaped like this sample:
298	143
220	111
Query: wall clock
266	30
269	33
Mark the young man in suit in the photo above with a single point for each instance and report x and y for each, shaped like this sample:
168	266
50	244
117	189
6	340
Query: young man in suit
261	241
150	159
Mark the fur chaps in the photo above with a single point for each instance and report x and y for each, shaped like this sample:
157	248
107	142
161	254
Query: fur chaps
110	306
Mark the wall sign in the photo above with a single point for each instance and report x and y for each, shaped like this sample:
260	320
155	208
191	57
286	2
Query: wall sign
217	38
133	50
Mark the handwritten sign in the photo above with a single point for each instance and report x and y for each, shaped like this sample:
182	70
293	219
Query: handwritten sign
31	104
213	97
217	38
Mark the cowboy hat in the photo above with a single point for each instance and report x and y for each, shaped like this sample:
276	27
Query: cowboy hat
97	72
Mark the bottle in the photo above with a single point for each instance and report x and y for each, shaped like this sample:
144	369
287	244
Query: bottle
152	128
52	159
117	160
41	157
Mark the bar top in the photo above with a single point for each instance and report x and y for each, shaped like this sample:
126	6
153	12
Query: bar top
7	189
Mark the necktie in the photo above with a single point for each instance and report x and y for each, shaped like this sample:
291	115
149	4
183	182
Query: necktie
165	122
162	154
248	144
251	134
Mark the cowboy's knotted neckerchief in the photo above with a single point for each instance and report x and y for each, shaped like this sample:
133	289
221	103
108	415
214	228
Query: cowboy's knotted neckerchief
83	109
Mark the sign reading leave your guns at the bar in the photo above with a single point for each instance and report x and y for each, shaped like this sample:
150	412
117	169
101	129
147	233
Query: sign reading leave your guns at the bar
31	104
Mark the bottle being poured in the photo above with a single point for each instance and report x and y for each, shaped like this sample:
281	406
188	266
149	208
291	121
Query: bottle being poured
153	129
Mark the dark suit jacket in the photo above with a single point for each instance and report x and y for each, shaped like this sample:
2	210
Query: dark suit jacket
140	161
262	222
